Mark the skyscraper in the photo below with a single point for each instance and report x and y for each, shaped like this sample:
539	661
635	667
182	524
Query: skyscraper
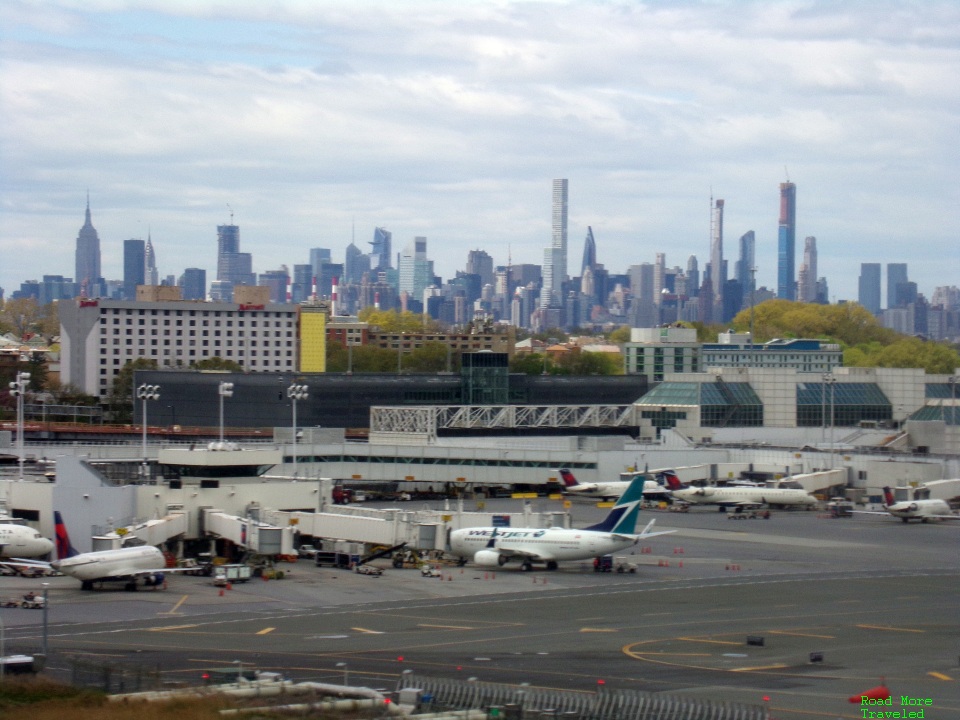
480	263
786	243
743	269
228	243
356	263
134	265
88	258
896	275
693	276
233	266
808	271
555	256
589	252
869	287
380	258
150	274
416	271
717	276
193	284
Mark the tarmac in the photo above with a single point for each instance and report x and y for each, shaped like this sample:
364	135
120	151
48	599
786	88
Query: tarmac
800	611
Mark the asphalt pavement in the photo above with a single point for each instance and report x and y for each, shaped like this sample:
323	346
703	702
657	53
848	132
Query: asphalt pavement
830	607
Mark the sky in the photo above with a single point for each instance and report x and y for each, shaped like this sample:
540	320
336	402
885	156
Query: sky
312	122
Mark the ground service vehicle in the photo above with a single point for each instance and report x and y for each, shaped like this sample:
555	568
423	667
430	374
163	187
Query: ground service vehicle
307	551
224	574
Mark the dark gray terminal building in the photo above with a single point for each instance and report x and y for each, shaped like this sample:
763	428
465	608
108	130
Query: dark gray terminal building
342	400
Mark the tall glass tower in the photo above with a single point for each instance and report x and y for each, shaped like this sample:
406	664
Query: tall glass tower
869	287
555	256
786	243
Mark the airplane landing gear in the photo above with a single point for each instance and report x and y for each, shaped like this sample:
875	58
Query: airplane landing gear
552	565
526	566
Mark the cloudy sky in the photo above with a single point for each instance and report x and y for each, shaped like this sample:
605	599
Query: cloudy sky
310	118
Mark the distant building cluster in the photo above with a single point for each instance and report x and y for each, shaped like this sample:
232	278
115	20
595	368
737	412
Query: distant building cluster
537	297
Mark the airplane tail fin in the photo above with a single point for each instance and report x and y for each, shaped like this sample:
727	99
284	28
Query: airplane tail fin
888	496
623	517
64	547
568	479
671	480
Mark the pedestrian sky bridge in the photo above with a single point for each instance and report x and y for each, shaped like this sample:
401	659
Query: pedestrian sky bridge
428	420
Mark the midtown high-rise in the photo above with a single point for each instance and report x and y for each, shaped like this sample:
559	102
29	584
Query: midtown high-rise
807	284
786	243
87	274
134	263
555	256
896	276
869	287
717	276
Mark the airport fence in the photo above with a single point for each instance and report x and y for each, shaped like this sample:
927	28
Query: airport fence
114	677
522	702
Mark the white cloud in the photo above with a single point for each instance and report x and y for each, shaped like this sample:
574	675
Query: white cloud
450	120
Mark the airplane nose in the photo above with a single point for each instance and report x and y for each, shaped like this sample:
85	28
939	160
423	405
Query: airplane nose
47	545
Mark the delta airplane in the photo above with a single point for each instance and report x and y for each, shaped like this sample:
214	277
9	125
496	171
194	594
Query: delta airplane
922	510
614	489
490	546
740	496
126	565
22	541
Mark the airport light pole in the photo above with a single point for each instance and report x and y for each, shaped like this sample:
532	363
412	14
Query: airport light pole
832	381
224	390
296	392
46	587
146	392
18	389
346	673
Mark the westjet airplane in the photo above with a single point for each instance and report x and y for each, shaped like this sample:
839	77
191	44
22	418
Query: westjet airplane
652	489
907	510
490	546
127	565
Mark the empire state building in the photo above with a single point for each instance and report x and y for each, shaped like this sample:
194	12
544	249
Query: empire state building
88	258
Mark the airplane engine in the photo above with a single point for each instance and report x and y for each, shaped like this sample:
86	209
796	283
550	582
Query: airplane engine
153	580
487	558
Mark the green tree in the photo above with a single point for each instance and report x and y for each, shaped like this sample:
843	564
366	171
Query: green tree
527	363
120	399
621	335
431	357
217	363
393	321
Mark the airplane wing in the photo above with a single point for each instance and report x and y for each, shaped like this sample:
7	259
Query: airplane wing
645	533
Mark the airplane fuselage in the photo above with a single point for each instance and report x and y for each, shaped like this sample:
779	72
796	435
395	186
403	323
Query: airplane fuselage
111	564
922	510
545	545
733	496
22	541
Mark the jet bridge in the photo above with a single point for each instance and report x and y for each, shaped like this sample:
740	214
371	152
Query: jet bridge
150	532
248	533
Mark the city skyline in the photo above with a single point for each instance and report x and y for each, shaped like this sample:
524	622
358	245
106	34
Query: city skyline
302	121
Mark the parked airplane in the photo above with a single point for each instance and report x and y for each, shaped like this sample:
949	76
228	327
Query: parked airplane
741	497
22	541
126	565
907	510
491	546
652	490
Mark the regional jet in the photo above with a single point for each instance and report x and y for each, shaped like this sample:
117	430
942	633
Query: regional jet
742	497
652	489
495	546
907	510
